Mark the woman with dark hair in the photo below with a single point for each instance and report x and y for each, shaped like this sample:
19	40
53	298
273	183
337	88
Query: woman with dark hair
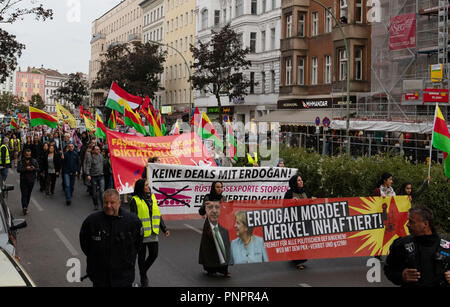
145	206
51	167
215	194
406	189
384	187
297	191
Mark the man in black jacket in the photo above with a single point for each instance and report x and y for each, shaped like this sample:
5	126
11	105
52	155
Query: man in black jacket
110	239
28	169
421	259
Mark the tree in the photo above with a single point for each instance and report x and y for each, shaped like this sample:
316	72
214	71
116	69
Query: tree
219	65
74	90
135	67
10	49
10	102
37	102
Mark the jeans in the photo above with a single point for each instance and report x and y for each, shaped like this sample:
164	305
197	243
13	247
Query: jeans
69	183
98	187
25	189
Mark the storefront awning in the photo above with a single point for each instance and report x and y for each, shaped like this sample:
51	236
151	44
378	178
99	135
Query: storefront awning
388	126
300	117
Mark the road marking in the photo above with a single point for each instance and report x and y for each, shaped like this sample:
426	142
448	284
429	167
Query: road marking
66	242
36	204
305	285
193	228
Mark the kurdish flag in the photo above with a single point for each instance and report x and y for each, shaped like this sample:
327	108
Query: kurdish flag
206	131
13	124
134	120
112	124
441	139
232	144
118	96
100	130
39	117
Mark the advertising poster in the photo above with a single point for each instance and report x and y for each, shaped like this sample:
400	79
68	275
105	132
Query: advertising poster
279	230
402	32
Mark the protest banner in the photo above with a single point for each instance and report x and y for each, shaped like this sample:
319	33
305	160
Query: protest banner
129	155
180	190
312	229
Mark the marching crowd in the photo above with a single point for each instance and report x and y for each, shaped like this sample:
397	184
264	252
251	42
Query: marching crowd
43	156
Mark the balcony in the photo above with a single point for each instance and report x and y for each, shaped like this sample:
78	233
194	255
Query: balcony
98	37
352	31
294	43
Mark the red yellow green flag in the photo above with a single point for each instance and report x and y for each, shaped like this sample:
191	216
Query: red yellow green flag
231	144
39	117
112	121
207	131
441	139
134	120
100	130
13	124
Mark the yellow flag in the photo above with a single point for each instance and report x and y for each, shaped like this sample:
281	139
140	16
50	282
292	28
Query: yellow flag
66	116
89	123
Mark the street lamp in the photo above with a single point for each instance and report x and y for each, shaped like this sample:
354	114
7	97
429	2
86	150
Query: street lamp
347	50
189	71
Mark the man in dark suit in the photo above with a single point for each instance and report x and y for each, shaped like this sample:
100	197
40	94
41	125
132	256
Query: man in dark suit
214	252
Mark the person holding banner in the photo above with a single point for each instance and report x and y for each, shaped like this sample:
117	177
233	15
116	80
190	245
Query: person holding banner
152	222
384	188
297	191
406	189
246	248
214	253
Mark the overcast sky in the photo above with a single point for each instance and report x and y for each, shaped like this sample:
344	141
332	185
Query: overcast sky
61	43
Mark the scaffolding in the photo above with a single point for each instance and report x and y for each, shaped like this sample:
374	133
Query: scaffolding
399	71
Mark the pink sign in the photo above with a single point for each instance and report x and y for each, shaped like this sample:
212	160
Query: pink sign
402	32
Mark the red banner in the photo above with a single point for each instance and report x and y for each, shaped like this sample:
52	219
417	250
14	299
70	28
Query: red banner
129	155
435	95
305	229
403	32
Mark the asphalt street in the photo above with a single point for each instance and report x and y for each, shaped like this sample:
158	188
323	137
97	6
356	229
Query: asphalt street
49	250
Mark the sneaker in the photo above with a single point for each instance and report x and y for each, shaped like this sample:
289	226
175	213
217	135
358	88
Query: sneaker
25	211
144	282
68	202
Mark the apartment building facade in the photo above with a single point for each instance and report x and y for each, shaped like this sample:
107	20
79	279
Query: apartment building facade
121	24
9	85
179	34
53	80
29	83
258	23
153	15
314	58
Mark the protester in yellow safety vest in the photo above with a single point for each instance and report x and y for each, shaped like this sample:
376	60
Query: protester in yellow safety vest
145	206
5	159
251	161
15	149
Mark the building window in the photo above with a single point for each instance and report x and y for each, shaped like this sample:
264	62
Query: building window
252	83
216	17
273	80
301	24
254	7
315	71
315	24
264	3
359	64
328	21
274	4
288	62
342	64
204	19
253	42
343	10
327	76
272	39
288	26
359	11
263	82
239	8
301	71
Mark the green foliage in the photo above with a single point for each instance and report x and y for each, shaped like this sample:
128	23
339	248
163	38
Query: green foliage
343	176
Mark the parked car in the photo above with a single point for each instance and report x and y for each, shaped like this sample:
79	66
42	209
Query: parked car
8	225
12	273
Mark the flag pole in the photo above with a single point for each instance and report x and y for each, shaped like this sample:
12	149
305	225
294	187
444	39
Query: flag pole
431	143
